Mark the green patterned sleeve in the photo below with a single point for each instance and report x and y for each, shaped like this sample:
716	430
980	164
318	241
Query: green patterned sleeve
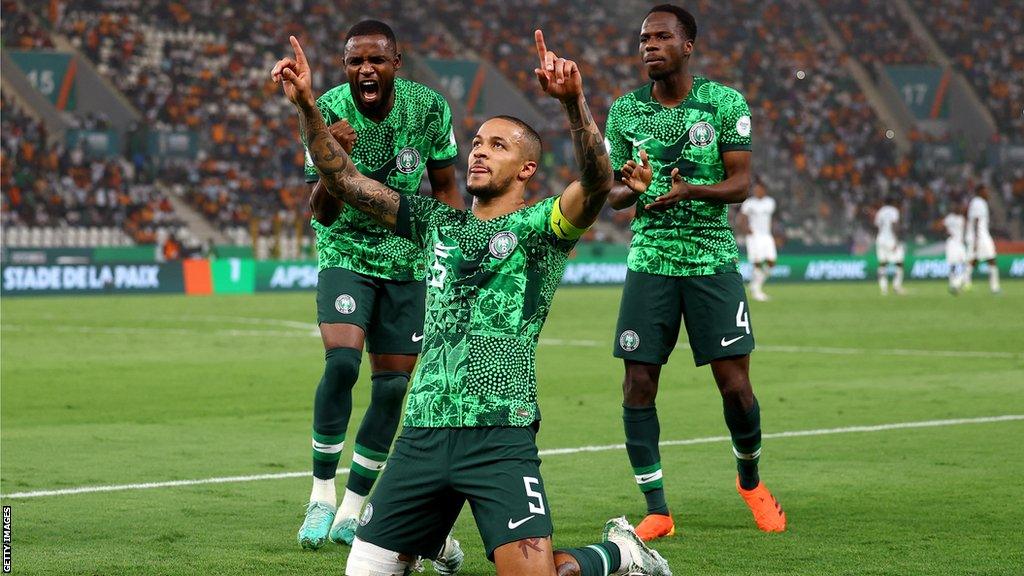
417	215
443	150
620	149
329	118
734	116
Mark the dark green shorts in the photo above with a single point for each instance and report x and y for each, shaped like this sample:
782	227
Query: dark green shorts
390	312
714	309
431	472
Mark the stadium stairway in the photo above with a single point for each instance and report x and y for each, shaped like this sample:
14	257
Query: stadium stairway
931	46
17	86
901	125
921	31
105	97
194	221
999	211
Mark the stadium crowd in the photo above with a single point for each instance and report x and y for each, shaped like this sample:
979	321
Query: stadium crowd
19	31
985	40
816	122
201	67
874	32
55	186
197	66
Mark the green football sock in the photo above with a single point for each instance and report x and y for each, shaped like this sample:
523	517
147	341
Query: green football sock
332	408
642	434
745	429
377	430
597	559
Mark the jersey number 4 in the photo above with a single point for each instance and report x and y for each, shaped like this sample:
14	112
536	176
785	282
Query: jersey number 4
742	317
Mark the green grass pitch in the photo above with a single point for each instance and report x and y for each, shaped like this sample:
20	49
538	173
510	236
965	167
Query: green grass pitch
107	391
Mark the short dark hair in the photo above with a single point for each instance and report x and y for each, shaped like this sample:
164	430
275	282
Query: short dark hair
686	20
534	144
372	28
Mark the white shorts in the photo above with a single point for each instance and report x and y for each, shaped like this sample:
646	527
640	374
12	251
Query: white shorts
982	250
955	253
889	253
761	248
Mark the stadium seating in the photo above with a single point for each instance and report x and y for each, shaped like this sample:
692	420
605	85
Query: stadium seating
202	66
52	190
874	32
985	39
19	29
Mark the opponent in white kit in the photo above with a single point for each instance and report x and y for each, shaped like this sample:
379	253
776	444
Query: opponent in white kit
888	247
758	210
980	246
956	254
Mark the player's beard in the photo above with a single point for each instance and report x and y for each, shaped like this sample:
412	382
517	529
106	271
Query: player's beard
492	189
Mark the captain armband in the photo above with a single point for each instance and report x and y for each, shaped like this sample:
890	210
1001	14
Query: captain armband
561	225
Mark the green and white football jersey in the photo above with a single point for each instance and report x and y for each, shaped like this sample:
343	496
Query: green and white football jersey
489	289
693	238
417	134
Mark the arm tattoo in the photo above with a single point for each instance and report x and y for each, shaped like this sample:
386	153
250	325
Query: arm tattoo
591	154
339	175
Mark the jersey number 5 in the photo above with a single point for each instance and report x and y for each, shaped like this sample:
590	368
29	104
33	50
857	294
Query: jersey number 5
440	271
538	507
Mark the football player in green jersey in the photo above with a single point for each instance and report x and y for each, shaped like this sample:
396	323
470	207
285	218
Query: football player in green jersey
369	288
684	141
472	413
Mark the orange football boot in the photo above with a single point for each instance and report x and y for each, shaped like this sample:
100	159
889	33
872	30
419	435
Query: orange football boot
656	526
766	509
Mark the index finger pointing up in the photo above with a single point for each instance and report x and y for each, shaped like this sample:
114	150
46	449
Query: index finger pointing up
542	48
300	56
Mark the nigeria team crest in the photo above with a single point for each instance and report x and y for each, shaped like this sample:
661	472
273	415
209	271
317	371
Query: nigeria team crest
345	304
629	340
702	134
502	244
408	160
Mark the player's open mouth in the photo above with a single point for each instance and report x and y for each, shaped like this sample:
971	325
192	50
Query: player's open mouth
369	90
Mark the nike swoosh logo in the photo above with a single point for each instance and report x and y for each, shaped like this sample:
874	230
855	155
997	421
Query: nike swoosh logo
728	342
513	525
416	338
646	478
638	143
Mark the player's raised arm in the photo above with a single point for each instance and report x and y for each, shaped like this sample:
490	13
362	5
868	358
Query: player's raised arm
337	172
327	208
560	78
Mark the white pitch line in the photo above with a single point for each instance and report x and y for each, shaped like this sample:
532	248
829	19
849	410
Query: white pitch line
548	452
166	484
799	433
